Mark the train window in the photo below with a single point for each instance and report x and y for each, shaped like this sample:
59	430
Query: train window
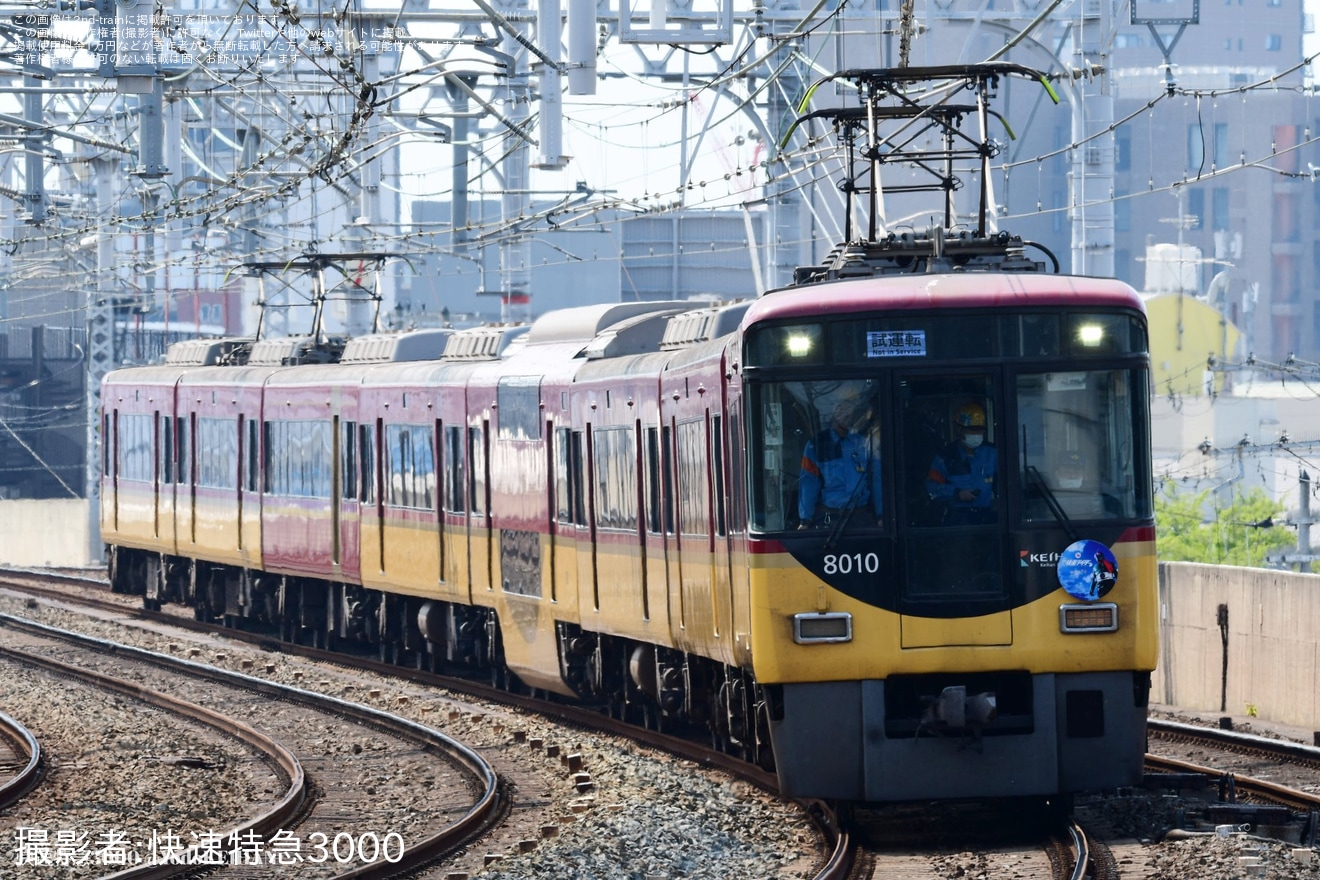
167	450
253	459
135	452
667	476
693	491
185	451
409	467
107	445
348	465
814	454
951	450
577	465
563	478
654	522
616	478
519	408
717	469
298	456
456	476
1077	445
477	470
217	453
367	464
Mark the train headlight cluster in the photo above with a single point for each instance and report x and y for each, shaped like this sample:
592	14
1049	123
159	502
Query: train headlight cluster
1097	617
1090	335
822	627
799	345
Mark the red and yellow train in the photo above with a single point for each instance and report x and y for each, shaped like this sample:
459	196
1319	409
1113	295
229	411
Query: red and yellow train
889	528
605	505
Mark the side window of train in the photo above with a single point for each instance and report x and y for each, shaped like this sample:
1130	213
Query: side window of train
654	494
253	456
565	487
166	450
693	491
667	476
717	468
366	464
134	450
107	444
616	478
217	453
578	468
455	470
410	465
348	461
477	470
184	459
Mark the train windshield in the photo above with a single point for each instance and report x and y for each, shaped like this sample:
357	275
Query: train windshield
971	450
817	455
1076	441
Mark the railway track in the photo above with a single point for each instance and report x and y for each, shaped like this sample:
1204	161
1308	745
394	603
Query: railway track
25	768
1243	764
324	785
835	860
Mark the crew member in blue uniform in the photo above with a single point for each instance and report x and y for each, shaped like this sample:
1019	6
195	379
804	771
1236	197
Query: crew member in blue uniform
963	474
840	472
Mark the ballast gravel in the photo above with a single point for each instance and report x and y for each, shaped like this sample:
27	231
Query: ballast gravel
645	814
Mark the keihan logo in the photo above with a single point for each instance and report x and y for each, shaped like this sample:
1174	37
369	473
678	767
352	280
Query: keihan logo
1028	559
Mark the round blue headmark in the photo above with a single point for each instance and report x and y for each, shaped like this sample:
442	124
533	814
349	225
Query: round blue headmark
1087	570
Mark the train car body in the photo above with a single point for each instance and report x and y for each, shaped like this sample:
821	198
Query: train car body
889	528
891	628
608	511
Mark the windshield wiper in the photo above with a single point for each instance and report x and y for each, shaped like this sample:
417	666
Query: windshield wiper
1051	502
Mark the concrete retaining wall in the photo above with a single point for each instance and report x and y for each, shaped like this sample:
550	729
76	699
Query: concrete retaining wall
1271	639
44	533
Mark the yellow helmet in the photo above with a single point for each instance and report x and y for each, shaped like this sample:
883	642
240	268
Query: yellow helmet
970	415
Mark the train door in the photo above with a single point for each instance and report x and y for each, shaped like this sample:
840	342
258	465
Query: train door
585	517
567	500
456	554
697	606
721	588
168	490
481	540
347	492
190	443
667	495
735	476
110	467
249	488
158	472
952	500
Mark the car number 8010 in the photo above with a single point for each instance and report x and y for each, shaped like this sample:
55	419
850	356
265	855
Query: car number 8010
852	563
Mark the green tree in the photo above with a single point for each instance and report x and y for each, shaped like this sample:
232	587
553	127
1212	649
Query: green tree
1190	528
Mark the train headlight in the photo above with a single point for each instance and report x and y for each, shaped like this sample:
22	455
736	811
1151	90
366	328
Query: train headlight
799	345
1096	617
1090	335
822	627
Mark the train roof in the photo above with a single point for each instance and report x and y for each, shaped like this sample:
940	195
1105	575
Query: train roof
955	290
584	323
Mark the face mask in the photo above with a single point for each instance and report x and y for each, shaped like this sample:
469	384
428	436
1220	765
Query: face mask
971	441
1070	483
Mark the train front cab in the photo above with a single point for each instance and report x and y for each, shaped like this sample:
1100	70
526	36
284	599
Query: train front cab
927	650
